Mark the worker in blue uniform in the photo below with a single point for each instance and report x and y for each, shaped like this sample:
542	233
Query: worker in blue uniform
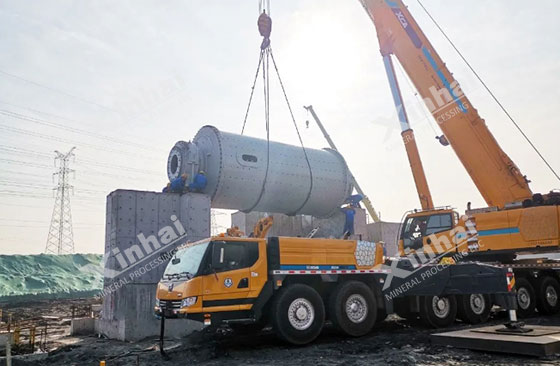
199	182
354	200
178	184
349	213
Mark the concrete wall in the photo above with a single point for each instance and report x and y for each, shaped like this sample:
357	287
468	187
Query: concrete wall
302	225
386	232
142	227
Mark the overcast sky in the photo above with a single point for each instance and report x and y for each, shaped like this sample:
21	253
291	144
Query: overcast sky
124	80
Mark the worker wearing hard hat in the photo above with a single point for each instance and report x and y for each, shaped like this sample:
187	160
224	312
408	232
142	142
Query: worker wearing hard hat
199	182
354	200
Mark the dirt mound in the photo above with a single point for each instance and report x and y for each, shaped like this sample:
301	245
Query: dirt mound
49	276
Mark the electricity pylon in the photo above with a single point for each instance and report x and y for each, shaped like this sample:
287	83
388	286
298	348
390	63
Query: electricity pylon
215	228
61	236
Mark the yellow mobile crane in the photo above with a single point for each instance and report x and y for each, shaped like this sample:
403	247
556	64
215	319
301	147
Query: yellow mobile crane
515	221
296	284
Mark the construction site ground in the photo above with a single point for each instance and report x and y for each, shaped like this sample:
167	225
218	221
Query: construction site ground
393	342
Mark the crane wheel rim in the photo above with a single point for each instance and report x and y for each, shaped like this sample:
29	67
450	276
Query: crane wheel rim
523	298
301	314
551	296
356	308
477	303
441	307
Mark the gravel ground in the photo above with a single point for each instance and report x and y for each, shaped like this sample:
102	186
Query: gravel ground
393	342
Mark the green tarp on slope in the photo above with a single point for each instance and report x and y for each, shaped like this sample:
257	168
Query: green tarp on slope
50	276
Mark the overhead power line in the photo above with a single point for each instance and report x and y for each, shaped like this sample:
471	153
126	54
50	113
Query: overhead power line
77	130
490	92
81	144
59	91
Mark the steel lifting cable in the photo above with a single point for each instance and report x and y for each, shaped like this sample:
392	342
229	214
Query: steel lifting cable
299	135
489	91
252	91
265	27
266	88
264	24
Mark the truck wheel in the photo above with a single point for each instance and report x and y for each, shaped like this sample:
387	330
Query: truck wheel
298	314
474	308
353	308
438	312
526	300
548	302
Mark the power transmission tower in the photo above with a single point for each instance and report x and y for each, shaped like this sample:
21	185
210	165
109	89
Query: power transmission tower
61	236
215	228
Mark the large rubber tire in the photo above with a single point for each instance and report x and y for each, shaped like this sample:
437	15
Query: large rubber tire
438	312
298	314
353	308
526	298
548	296
474	309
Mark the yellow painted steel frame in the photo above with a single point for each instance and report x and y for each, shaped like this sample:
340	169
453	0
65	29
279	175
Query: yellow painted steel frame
324	252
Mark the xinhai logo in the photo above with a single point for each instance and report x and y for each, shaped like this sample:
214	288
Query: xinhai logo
147	248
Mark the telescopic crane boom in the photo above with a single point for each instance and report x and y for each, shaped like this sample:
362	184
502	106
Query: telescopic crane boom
496	176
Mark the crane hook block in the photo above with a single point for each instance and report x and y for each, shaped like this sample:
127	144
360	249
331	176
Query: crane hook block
265	27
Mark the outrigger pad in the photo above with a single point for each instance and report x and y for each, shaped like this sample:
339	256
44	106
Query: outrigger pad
541	341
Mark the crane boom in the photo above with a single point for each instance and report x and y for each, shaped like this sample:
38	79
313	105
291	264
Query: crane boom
369	206
496	176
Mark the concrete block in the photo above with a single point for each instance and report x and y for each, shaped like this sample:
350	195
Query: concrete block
82	326
195	213
142	227
146	213
386	232
133	318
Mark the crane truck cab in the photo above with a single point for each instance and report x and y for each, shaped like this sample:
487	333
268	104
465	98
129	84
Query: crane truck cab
485	234
213	280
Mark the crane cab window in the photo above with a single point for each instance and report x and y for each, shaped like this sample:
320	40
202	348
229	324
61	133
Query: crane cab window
438	223
229	256
415	228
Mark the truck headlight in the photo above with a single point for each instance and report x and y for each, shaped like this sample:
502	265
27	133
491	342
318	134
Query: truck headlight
189	301
157	305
